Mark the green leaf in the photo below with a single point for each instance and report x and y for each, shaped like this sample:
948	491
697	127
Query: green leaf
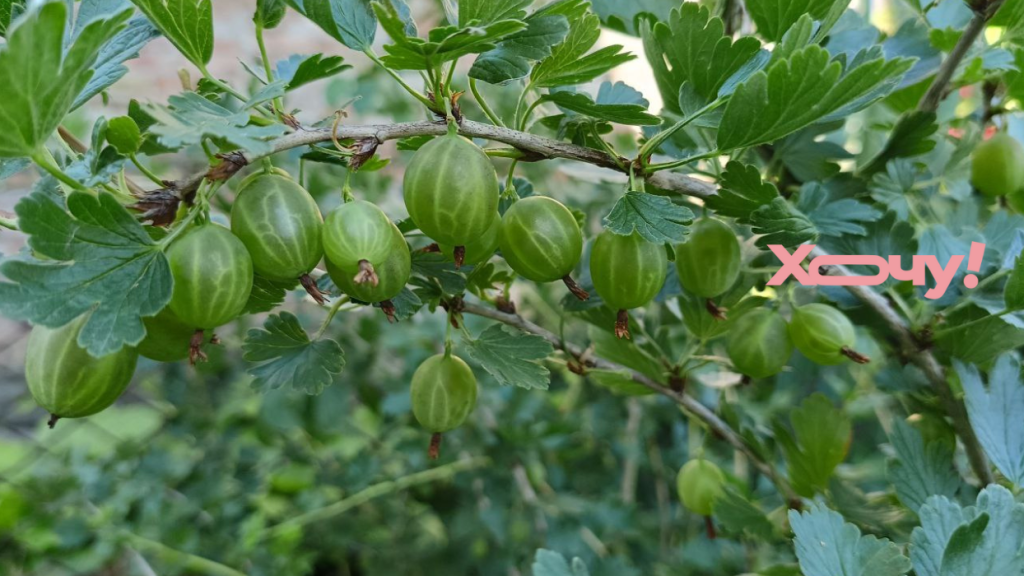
514	56
9	12
100	261
985	338
513	358
827	546
775	17
920	471
100	162
285	356
691	47
1014	290
910	137
955	541
443	44
627	16
124	135
189	118
656	218
313	68
570	64
548	563
350	22
995	413
628	114
267	295
41	80
625	352
740	516
885	237
269	13
819	443
741	192
188	24
780	223
124	46
835	217
483	12
804	89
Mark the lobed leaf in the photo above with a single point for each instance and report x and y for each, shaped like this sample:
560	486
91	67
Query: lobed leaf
286	356
513	358
774	17
835	217
828	546
780	223
995	413
920	471
188	24
101	262
801	90
514	56
569	63
819	443
190	118
42	81
741	192
656	218
617	113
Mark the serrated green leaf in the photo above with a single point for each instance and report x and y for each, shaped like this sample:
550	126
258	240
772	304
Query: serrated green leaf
188	24
124	135
483	12
740	516
580	103
1014	290
548	563
910	137
189	118
835	217
920	471
624	352
285	356
443	44
807	158
101	260
801	90
656	218
982	338
775	17
310	69
819	443
570	64
995	413
350	22
827	546
514	56
691	47
9	12
100	162
267	295
437	269
124	46
512	357
953	541
627	16
42	80
780	223
741	192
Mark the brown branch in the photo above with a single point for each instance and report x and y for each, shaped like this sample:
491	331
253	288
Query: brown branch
689	403
937	91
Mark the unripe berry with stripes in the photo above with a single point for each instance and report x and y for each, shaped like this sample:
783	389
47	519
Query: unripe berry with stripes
212	273
540	239
709	261
443	394
759	344
357	239
66	381
824	335
451	190
280	225
393	273
628	272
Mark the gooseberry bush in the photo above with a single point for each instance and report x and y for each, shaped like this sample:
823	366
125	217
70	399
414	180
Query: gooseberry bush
579	283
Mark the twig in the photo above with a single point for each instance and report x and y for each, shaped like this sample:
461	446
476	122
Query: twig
375	491
536	147
183	560
936	92
689	403
632	445
926	361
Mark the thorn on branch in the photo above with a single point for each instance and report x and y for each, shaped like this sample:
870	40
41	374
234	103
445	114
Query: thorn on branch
229	165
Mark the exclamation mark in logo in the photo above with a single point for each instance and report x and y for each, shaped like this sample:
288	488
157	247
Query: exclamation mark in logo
974	264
